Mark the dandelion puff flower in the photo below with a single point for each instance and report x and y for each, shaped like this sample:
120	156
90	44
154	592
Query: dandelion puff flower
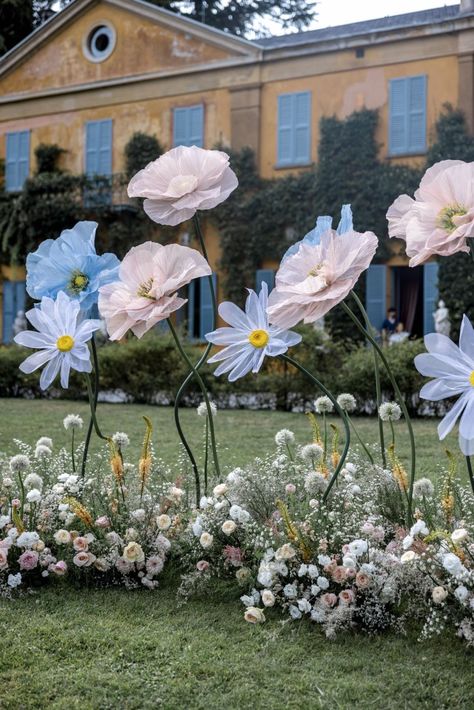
150	277
452	366
61	340
182	181
390	412
249	337
441	217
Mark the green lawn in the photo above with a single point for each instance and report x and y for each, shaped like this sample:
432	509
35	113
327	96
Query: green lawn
114	649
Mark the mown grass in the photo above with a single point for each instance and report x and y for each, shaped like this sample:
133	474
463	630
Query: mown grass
88	649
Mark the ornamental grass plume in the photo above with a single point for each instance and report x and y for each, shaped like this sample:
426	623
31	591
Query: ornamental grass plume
182	181
80	511
144	465
146	292
440	219
399	473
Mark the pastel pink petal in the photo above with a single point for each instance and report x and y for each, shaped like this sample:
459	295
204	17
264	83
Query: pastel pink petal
398	215
168	215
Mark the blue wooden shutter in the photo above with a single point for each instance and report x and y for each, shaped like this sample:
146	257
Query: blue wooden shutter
14	297
294	128
376	294
267	276
99	147
416	114
17	163
302	120
398	108
188	126
430	295
206	311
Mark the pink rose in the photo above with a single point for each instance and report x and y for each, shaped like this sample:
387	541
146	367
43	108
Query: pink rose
80	544
84	559
290	489
339	574
59	568
363	580
329	599
28	560
202	565
103	522
350	572
347	596
3	557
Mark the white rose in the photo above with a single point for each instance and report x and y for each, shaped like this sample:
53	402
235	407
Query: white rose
242	575
62	537
439	594
461	593
268	598
254	615
220	490
407	557
285	552
459	535
206	540
133	552
228	527
453	564
163	521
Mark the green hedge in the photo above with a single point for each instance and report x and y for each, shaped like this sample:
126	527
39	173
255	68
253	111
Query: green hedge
143	368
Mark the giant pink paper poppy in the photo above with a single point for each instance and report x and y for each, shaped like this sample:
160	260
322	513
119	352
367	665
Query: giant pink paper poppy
182	181
319	276
147	290
441	217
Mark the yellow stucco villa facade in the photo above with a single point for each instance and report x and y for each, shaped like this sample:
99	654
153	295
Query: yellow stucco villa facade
102	69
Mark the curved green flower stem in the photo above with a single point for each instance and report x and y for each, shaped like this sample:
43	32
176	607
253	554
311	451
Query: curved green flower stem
22	495
95	362
470	471
369	455
401	401
73	458
206	456
393	433
200	362
340	412
208	407
91	396
378	389
325	446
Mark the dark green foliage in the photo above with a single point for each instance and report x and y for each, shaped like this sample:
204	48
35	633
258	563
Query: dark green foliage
16	22
47	156
140	150
452	140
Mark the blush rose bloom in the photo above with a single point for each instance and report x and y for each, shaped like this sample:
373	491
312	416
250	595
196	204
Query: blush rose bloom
80	544
319	276
441	217
28	560
133	552
150	277
254	615
3	558
84	559
182	181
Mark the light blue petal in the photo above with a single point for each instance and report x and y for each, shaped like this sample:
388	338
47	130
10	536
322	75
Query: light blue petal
323	224
346	223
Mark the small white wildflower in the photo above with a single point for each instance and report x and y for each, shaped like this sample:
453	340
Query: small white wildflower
73	421
121	439
45	441
14	580
33	496
323	405
347	402
311	453
19	463
33	481
42	451
459	535
284	437
202	409
390	412
423	488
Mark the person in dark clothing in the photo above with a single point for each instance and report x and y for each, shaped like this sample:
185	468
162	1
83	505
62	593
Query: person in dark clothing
389	326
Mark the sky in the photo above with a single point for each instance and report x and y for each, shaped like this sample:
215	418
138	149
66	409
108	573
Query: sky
341	12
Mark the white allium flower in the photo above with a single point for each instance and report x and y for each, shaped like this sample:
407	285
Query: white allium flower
423	488
33	496
45	441
315	482
19	463
323	405
139	515
347	402
73	421
42	451
7	482
311	453
33	481
202	409
121	439
284	437
390	412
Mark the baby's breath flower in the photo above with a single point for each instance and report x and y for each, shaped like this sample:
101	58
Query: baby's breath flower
121	439
45	441
19	463
323	405
347	402
284	437
73	421
202	409
390	412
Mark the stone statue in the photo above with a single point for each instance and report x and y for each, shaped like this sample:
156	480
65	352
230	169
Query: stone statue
19	323
441	319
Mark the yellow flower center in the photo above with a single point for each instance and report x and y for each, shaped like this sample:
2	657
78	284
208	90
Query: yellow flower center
65	343
259	338
78	282
445	219
471	378
145	288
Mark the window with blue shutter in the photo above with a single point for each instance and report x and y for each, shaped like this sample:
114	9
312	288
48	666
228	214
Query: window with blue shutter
188	126
294	129
13	300
267	276
407	115
376	294
430	295
200	308
17	160
98	161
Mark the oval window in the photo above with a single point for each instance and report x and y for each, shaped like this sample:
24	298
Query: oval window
100	43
